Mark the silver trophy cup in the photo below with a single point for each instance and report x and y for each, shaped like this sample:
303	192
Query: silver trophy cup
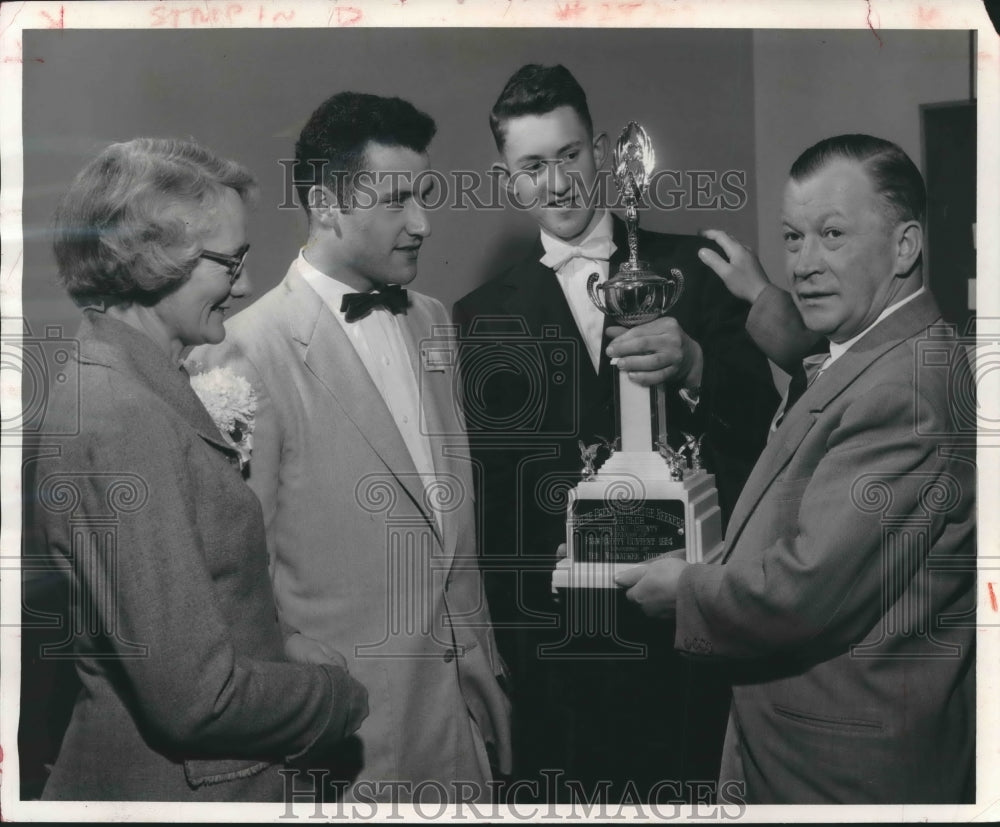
646	499
635	294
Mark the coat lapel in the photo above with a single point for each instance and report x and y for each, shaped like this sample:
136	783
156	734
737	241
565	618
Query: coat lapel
444	430
536	296
775	456
107	341
331	358
619	235
432	422
902	325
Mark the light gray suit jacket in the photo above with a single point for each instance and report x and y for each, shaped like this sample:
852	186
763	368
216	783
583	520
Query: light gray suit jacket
357	558
848	585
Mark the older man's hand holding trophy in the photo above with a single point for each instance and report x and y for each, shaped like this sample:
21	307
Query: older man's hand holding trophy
647	499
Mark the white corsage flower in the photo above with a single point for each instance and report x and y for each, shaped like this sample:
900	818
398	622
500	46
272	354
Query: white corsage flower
231	402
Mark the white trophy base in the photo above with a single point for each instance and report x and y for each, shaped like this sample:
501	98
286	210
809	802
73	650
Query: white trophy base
632	512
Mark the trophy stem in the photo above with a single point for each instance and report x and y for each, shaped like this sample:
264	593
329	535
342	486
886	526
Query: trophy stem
632	223
647	499
660	415
635	404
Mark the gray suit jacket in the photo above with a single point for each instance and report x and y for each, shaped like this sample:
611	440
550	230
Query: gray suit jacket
845	595
184	693
357	559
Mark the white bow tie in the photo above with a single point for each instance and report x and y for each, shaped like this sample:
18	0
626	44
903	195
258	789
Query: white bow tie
558	253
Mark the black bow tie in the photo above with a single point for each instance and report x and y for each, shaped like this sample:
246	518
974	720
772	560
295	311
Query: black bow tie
358	305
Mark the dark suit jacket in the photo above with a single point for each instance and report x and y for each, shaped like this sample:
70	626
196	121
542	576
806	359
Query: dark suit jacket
185	695
531	394
848	591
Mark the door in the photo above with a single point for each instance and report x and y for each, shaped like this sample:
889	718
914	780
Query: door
949	139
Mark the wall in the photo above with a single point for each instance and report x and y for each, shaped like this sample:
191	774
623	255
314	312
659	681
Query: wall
246	93
712	100
812	85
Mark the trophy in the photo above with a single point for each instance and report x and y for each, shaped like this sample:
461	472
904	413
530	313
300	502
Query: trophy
647	499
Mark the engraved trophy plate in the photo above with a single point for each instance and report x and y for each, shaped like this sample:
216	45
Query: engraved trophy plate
647	499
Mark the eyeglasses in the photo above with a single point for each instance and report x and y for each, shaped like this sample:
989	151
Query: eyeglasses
233	264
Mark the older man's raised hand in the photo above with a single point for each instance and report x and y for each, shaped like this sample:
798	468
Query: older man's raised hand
742	274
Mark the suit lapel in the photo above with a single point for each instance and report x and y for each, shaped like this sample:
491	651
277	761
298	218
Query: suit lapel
902	325
775	456
113	344
331	358
438	420
537	297
432	422
619	235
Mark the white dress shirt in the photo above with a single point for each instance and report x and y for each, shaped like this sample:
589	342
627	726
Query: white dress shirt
572	276
837	349
379	342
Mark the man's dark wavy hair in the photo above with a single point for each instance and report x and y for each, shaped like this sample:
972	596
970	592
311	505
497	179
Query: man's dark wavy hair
536	90
331	147
893	175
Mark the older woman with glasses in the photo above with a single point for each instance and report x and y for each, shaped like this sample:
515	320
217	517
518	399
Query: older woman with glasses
185	692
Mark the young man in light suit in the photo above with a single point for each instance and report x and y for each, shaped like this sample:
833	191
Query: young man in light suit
846	599
361	463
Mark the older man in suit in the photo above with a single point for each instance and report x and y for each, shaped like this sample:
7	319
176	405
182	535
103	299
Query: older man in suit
845	597
361	463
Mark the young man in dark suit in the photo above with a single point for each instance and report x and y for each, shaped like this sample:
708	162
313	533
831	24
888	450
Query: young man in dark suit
539	385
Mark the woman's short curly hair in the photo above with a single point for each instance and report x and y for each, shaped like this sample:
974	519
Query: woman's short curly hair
131	225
